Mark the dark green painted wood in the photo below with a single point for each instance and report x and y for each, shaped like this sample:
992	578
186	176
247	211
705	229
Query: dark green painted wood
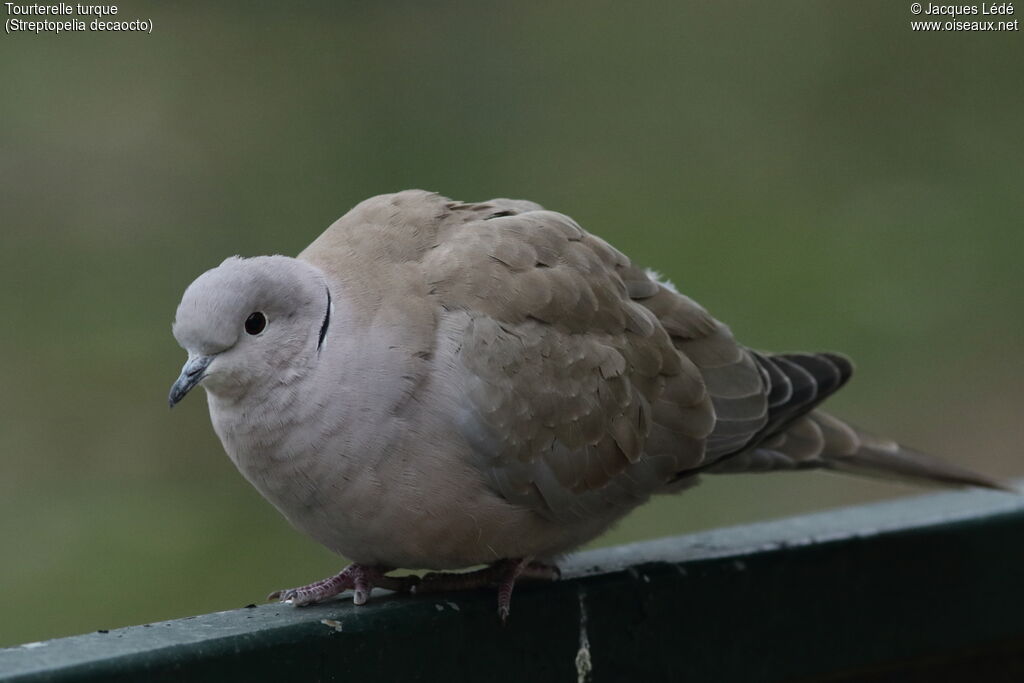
877	592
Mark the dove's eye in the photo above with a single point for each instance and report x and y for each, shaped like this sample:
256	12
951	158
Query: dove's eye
255	323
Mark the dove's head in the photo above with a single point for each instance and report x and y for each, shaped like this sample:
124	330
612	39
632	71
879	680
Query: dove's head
250	321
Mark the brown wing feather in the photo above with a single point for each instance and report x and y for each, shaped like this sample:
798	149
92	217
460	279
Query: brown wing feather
581	401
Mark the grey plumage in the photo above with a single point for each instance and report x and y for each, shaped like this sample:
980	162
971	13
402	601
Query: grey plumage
495	382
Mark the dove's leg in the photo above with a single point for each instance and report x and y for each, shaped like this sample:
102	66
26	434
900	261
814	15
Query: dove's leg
506	582
358	578
502	574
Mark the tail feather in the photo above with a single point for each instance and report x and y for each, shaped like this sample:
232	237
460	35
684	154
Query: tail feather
890	460
798	436
819	441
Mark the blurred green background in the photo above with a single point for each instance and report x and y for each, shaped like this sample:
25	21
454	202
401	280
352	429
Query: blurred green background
815	173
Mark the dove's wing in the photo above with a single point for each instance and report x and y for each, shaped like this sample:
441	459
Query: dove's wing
589	385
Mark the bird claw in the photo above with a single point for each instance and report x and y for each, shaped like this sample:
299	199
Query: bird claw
502	574
360	579
303	595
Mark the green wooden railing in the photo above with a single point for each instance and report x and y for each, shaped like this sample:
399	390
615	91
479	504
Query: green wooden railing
922	589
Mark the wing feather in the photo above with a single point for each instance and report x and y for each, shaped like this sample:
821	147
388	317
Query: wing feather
568	370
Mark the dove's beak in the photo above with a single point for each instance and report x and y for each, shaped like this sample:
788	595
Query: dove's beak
191	374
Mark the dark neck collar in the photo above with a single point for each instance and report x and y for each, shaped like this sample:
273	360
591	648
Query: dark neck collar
326	323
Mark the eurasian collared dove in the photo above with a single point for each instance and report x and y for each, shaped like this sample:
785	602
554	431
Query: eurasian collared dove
436	385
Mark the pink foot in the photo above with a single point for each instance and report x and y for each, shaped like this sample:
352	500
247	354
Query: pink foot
360	579
502	574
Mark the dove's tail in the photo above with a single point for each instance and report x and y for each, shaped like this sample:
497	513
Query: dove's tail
879	457
859	452
797	436
819	441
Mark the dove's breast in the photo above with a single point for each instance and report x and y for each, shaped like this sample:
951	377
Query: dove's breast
370	462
